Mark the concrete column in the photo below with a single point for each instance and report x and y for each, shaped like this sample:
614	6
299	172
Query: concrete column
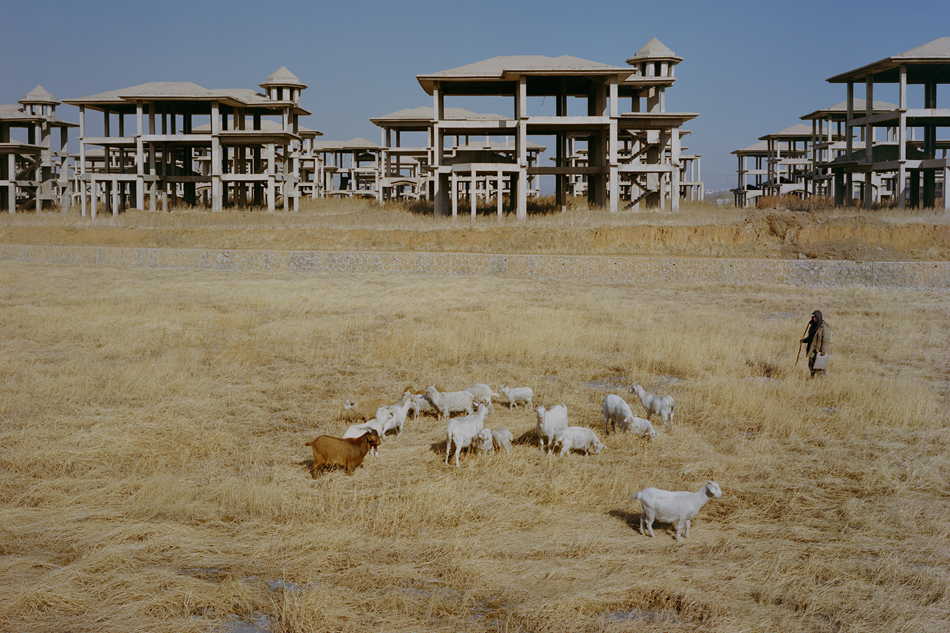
869	142
472	195
675	175
82	161
217	202
849	120
11	188
501	189
454	193
271	178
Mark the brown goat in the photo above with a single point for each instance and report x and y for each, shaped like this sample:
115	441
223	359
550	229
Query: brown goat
335	452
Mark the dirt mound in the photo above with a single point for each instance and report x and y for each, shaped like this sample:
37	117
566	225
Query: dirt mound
767	233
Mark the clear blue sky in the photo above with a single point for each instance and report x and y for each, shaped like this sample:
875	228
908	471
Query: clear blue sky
750	67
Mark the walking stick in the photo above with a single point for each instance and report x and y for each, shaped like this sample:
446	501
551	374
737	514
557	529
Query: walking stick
801	342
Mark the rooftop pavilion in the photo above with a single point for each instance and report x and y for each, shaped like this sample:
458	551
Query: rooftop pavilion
166	145
918	167
34	168
652	169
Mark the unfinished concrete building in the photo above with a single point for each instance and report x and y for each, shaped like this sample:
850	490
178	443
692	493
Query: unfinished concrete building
752	173
828	144
405	166
344	169
586	100
915	155
34	169
249	163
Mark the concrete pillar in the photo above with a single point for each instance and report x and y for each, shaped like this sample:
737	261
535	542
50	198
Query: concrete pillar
521	147
217	202
271	178
675	175
454	193
500	191
472	195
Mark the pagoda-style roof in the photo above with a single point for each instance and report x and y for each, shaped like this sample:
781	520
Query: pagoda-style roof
39	95
189	95
799	131
282	77
840	110
759	148
427	114
490	75
18	117
654	50
928	62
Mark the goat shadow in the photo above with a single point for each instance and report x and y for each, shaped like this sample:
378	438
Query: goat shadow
632	519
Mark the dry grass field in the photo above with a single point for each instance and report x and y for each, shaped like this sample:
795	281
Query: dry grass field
153	473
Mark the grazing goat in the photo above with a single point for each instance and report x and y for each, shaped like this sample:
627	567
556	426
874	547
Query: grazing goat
502	437
660	405
674	507
639	426
449	402
616	411
393	416
463	431
482	393
365	409
361	429
335	452
420	405
486	445
517	395
579	438
550	424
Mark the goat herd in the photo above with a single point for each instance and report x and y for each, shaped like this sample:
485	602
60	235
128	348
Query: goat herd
469	431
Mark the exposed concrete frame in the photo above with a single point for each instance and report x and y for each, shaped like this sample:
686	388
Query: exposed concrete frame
405	170
246	165
921	169
561	78
36	169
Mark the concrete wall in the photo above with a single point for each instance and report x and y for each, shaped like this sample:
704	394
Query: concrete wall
594	269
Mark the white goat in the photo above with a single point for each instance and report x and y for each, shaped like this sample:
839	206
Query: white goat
502	437
550	424
660	405
517	395
482	393
616	411
463	431
486	445
449	402
639	426
420	405
357	430
674	507
580	438
393	416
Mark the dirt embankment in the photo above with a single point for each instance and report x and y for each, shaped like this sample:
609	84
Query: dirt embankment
763	234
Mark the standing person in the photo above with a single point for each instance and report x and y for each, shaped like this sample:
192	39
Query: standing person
817	341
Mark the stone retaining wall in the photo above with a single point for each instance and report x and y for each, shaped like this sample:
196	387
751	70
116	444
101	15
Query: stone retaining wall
596	269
